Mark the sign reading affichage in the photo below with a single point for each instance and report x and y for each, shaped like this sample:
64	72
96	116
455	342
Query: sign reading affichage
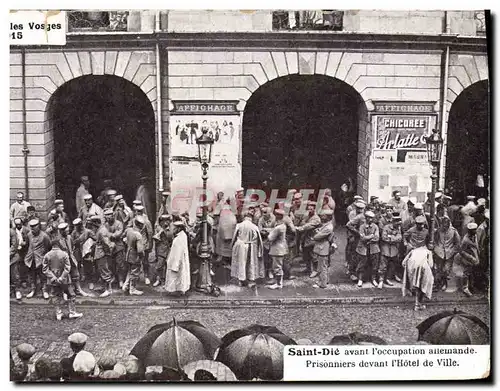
386	362
37	27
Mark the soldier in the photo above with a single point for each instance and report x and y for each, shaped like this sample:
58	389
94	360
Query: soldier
122	212
15	240
134	255
323	239
278	248
389	250
38	246
468	257
368	250
163	241
19	209
399	205
446	245
307	226
32	215
291	243
418	210
356	218
79	237
483	241
20	243
90	209
116	257
467	214
111	199
164	206
417	235
58	214
266	224
352	207
56	267
88	251
103	196
103	250
384	216
66	245
147	235
82	191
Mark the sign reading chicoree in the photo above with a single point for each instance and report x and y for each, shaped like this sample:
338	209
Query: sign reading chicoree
205	107
401	132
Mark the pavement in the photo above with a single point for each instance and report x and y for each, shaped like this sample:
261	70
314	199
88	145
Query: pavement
341	290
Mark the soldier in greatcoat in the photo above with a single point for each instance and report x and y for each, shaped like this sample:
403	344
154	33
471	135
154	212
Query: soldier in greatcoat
278	247
134	256
467	257
38	246
266	223
82	239
390	242
323	239
306	228
163	241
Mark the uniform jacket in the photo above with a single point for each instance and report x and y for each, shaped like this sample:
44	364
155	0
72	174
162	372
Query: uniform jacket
19	210
14	244
135	246
291	231
483	240
446	243
307	226
38	246
469	252
353	226
67	246
414	238
383	220
79	238
266	225
277	240
399	206
163	242
104	245
116	234
94	210
390	240
56	265
322	239
146	232
368	239
123	215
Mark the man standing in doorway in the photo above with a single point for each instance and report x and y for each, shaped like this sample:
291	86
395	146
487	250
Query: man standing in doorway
82	191
90	209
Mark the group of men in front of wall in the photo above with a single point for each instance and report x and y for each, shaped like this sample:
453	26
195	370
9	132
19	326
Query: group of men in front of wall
381	234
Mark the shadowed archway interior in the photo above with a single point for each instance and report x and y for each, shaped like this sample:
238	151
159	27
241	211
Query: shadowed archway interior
103	127
468	144
301	131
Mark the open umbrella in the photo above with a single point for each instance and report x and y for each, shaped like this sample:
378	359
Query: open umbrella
357	339
453	328
175	344
254	352
219	370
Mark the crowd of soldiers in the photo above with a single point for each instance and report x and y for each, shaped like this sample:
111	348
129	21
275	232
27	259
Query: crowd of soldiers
110	245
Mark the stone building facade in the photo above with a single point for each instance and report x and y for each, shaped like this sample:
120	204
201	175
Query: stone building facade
409	58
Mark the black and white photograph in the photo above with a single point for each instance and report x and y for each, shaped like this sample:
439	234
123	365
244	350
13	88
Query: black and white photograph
261	195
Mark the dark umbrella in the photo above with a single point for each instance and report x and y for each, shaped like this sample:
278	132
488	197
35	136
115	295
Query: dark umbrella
254	352
175	344
453	328
357	339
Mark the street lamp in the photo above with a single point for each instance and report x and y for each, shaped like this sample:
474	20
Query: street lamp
434	144
204	143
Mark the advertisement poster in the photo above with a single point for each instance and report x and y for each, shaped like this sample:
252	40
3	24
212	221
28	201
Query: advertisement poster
402	131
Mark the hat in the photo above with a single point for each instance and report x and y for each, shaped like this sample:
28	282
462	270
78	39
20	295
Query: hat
369	214
296	196
471	198
418	206
358	197
139	220
108	211
179	223
62	226
481	201
487	214
17	220
25	351
95	218
359	204
279	212
34	222
438	195
77	338
136	202
311	203
87	197
84	362
471	226
58	202
84	178
327	212
77	221
420	220
164	217
139	208
118	197
373	198
165	193
111	192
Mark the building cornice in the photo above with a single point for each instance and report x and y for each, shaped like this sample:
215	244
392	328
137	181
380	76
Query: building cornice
271	40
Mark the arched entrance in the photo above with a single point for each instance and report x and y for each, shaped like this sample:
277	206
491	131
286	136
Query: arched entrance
468	145
301	131
103	127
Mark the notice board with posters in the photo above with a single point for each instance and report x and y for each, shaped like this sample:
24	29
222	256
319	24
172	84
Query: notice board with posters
222	122
399	154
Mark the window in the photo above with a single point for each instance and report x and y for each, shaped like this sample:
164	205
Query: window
97	21
308	20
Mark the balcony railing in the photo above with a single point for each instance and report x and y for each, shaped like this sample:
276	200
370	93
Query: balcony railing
480	20
97	21
308	20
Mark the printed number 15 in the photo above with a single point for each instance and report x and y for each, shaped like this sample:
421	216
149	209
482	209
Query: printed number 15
16	35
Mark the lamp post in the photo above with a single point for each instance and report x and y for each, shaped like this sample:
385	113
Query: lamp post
434	144
204	143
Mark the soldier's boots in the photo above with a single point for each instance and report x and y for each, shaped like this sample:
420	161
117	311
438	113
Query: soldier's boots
147	281
380	284
107	292
19	295
45	295
157	283
279	283
465	288
79	291
134	291
72	311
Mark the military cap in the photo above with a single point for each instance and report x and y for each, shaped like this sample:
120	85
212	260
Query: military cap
136	202
327	212
359	204
358	197
34	222
118	197
296	196
164	217
311	203
139	220
77	221
471	198
84	178
58	202
77	338
199	213
95	218
25	351
111	192
389	206
396	192
179	223
481	201
448	197
30	208
280	212
84	362
87	197
17	220
62	226
120	369
165	193
438	195
418	206
471	226
108	212
139	208
267	209
373	198
369	213
420	220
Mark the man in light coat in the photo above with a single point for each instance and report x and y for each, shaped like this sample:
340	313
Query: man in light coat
278	247
247	264
225	233
178	277
322	246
